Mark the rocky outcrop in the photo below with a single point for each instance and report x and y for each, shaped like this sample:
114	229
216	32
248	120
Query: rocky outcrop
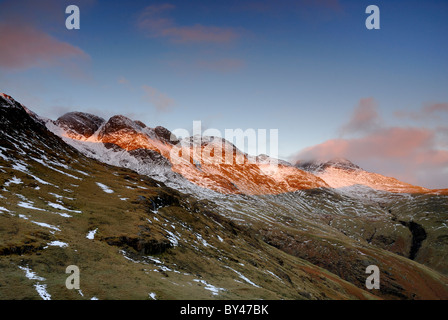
80	123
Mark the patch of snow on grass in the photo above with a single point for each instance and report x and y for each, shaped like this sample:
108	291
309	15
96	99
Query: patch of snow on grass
172	238
199	237
57	243
104	187
244	278
13	180
208	286
40	288
152	295
59	207
31	274
42	291
46	225
28	205
91	234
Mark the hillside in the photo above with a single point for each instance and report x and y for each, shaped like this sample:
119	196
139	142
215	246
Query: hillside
134	237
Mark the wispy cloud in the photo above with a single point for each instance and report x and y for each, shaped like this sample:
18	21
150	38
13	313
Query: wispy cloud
25	47
428	111
123	80
365	118
159	100
156	23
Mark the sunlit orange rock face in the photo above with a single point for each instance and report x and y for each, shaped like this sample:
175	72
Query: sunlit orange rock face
236	172
216	164
439	191
207	164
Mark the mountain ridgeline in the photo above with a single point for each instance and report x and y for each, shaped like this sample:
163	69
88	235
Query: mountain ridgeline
108	197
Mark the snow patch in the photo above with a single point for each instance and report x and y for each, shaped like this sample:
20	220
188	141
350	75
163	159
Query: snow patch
40	288
13	180
28	205
152	295
104	187
59	207
57	243
243	277
208	286
91	234
46	225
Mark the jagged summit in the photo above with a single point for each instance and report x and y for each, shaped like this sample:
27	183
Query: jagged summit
5	96
320	166
124	142
165	135
80	123
6	101
119	124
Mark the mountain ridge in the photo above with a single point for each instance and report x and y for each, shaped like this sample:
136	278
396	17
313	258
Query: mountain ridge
127	139
131	234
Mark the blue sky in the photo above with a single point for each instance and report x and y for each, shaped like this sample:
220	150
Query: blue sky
302	67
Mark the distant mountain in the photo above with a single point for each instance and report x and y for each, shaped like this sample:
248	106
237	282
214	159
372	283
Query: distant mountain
320	166
342	173
135	237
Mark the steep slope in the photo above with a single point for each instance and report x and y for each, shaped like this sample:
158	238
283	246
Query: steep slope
216	164
133	237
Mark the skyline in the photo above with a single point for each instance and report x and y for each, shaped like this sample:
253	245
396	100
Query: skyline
309	69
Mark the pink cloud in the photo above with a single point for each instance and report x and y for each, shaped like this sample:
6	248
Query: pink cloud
365	117
415	155
436	108
404	153
154	24
392	143
24	47
159	100
433	110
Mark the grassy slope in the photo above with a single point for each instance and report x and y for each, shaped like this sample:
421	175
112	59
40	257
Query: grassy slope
107	274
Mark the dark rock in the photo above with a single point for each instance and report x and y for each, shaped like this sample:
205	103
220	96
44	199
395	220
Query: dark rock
81	123
166	135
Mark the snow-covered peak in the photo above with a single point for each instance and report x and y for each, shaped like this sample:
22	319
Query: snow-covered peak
317	166
265	159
